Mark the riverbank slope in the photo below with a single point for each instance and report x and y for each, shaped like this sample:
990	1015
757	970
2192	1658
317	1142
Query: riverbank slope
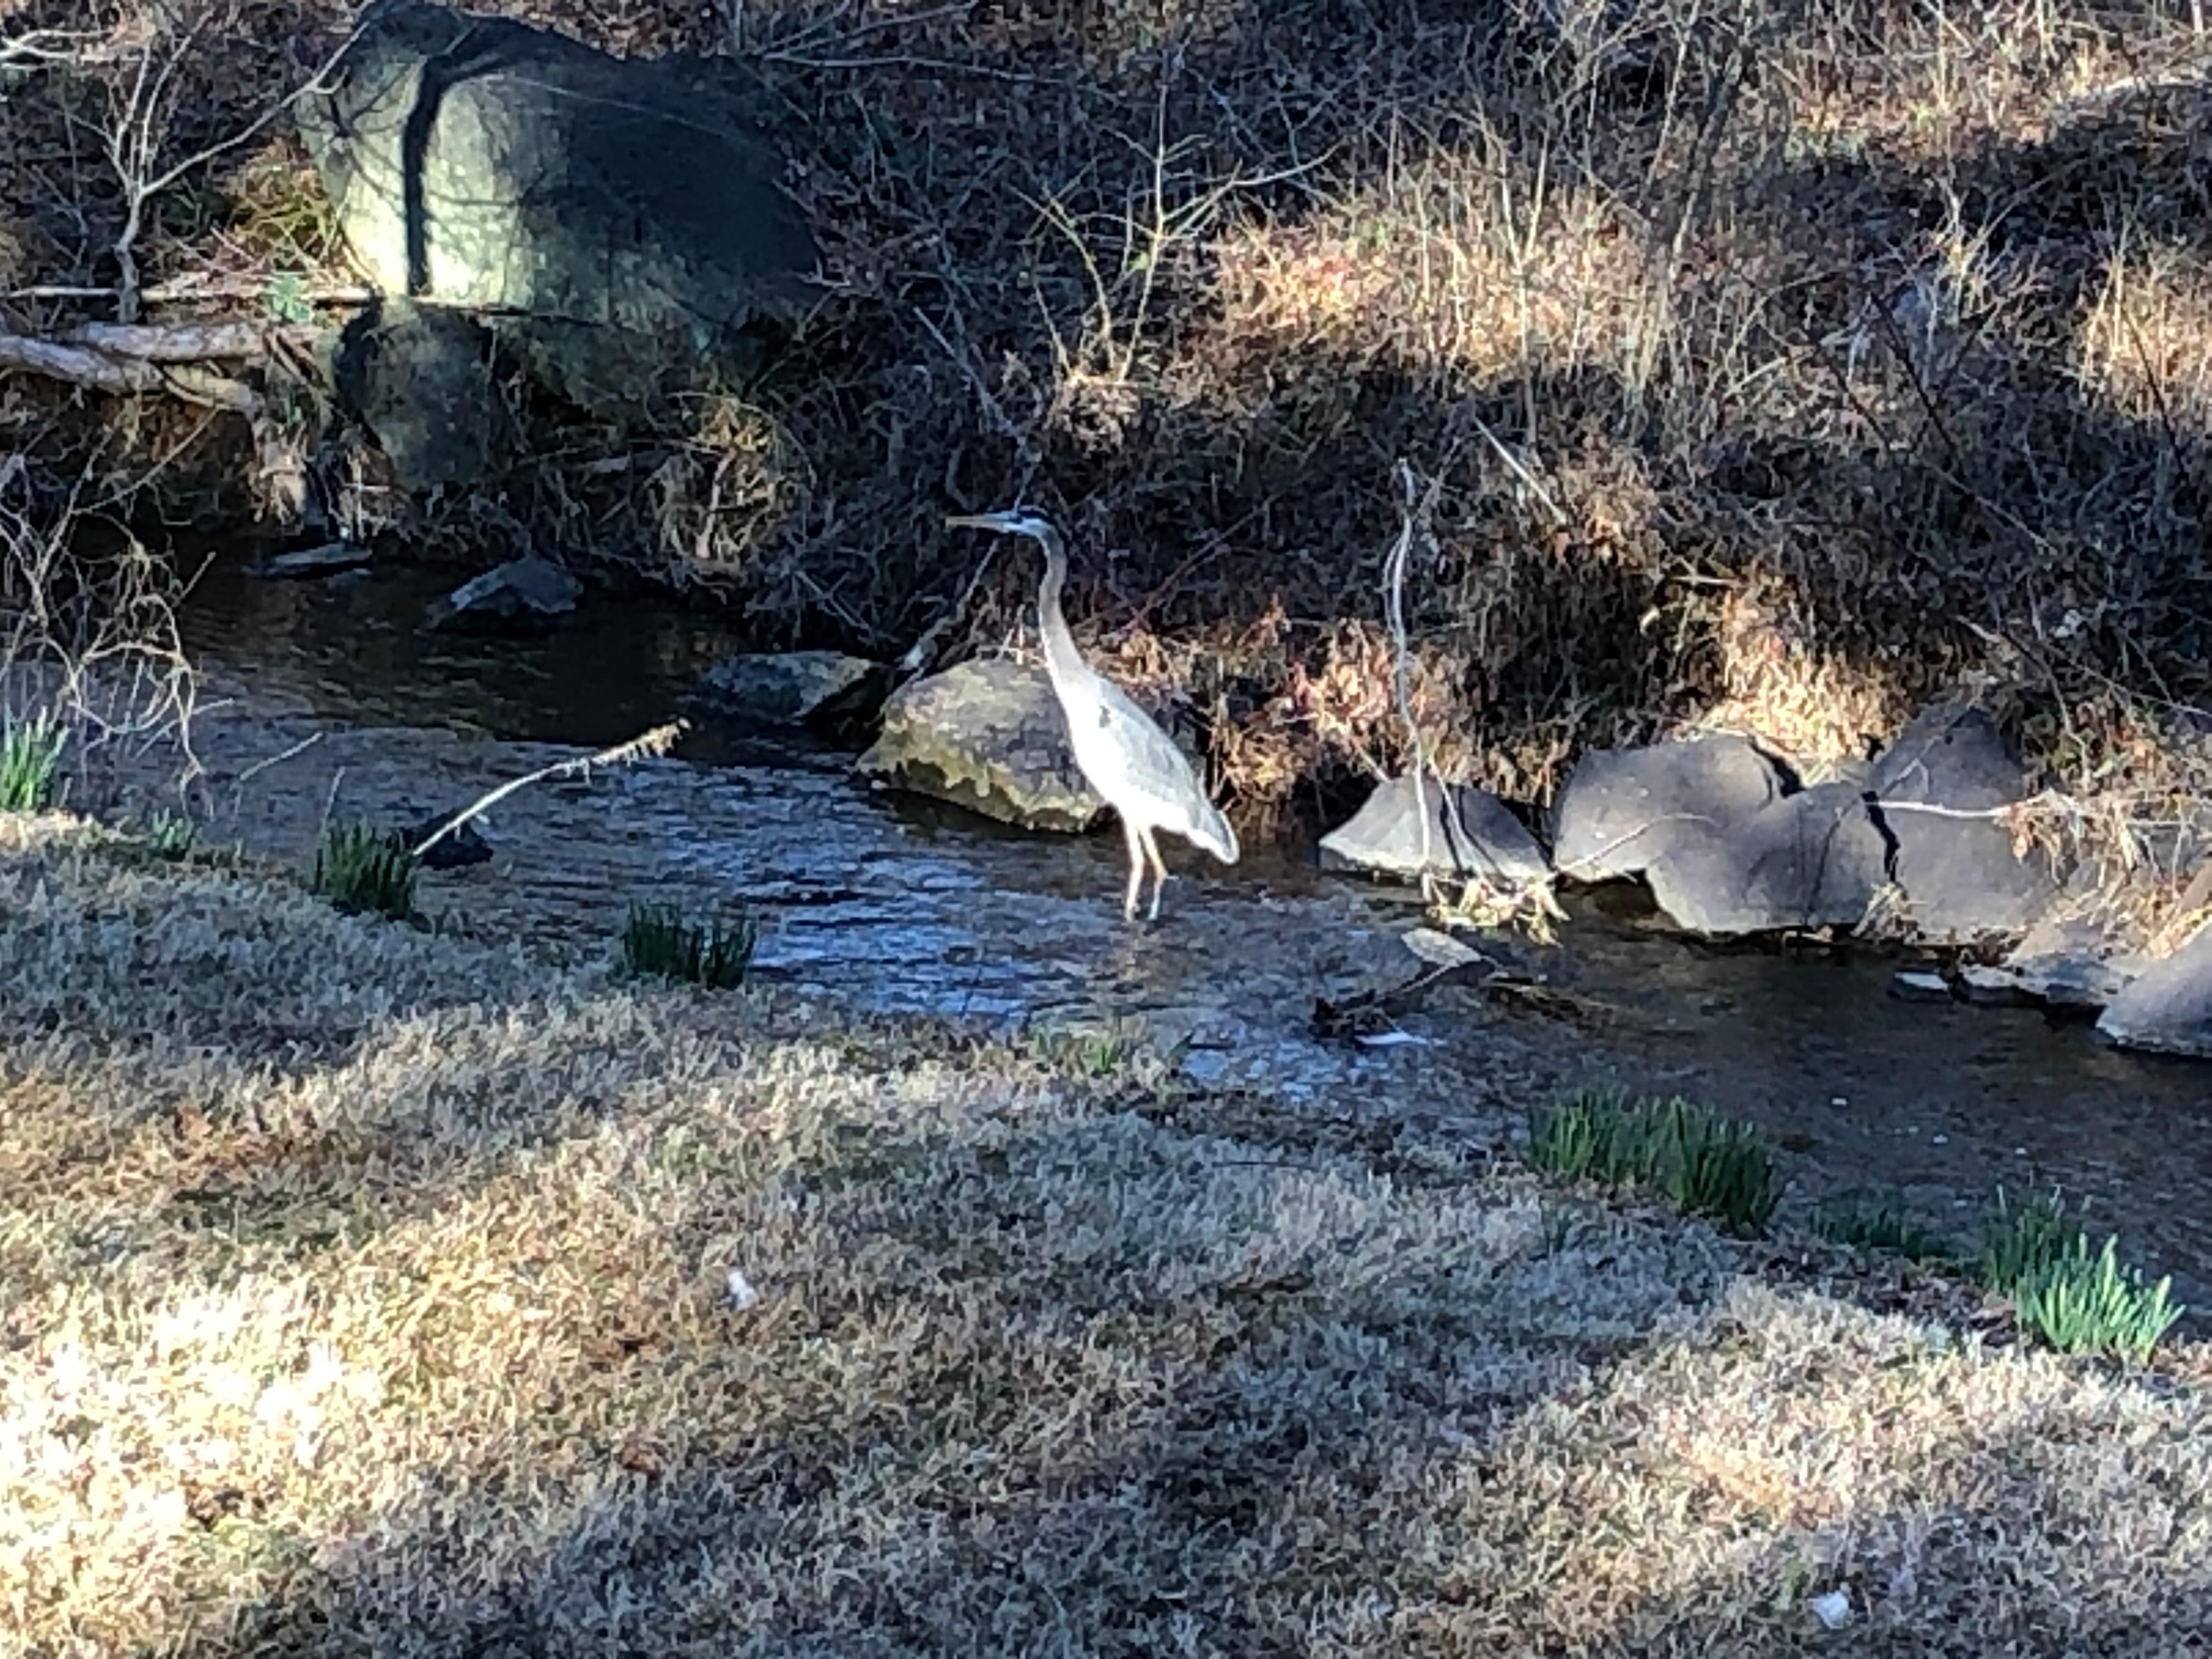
366	1285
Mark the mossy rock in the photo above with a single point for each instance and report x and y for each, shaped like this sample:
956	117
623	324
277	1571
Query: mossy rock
988	736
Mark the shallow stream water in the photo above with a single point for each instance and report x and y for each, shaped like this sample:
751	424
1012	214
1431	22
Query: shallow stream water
326	698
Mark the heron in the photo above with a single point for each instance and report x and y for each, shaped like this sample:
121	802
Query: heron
1126	757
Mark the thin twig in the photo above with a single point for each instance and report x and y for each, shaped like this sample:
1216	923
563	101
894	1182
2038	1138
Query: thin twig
658	741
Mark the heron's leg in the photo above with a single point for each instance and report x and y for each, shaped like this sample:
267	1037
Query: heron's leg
1160	868
1136	870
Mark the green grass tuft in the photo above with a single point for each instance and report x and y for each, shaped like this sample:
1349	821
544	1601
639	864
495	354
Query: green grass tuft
656	940
363	869
30	758
2020	1240
1879	1223
1706	1165
171	834
2083	1303
1093	1054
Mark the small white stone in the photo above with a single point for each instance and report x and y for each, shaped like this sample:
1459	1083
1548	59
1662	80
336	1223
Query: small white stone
1839	1100
1833	1610
1939	1141
742	1293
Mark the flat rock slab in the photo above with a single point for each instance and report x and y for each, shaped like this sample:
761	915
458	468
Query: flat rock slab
2071	960
1621	810
1960	877
1916	986
989	736
520	594
2168	1008
1471	835
1807	860
792	688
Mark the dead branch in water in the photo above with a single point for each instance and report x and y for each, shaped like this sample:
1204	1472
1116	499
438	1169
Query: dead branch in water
659	741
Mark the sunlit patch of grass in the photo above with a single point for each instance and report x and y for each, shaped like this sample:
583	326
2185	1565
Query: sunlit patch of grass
30	760
658	942
363	869
1706	1165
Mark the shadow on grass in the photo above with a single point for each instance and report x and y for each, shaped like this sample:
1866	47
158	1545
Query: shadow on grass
1090	1384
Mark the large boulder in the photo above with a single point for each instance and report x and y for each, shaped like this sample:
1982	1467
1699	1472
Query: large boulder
619	222
1472	836
1959	879
1621	810
987	735
424	380
2168	1009
1807	860
792	688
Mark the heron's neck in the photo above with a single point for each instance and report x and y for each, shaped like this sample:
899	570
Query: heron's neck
1060	656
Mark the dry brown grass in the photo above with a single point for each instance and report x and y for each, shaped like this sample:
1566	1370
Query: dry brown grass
369	1289
1881	324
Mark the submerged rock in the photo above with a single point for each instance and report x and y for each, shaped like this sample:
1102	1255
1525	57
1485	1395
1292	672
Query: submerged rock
1472	836
1621	810
1916	985
1807	860
2168	1008
331	559
1959	879
457	849
987	735
793	688
520	593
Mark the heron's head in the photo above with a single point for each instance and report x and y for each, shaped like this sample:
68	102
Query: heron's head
1009	521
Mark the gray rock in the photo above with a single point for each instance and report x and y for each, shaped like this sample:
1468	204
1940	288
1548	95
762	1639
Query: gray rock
329	560
987	735
1959	879
521	592
1621	809
1810	859
1953	754
2168	1009
623	217
793	688
1992	988
2072	960
423	380
1473	836
1916	986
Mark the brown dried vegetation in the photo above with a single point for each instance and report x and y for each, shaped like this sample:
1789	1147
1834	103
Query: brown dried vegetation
1780	365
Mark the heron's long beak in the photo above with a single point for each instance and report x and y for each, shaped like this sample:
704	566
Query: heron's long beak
970	521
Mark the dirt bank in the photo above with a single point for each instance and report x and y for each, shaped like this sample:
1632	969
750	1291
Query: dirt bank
1776	366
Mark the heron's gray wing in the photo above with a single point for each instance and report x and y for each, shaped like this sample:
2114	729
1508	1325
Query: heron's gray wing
1149	767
